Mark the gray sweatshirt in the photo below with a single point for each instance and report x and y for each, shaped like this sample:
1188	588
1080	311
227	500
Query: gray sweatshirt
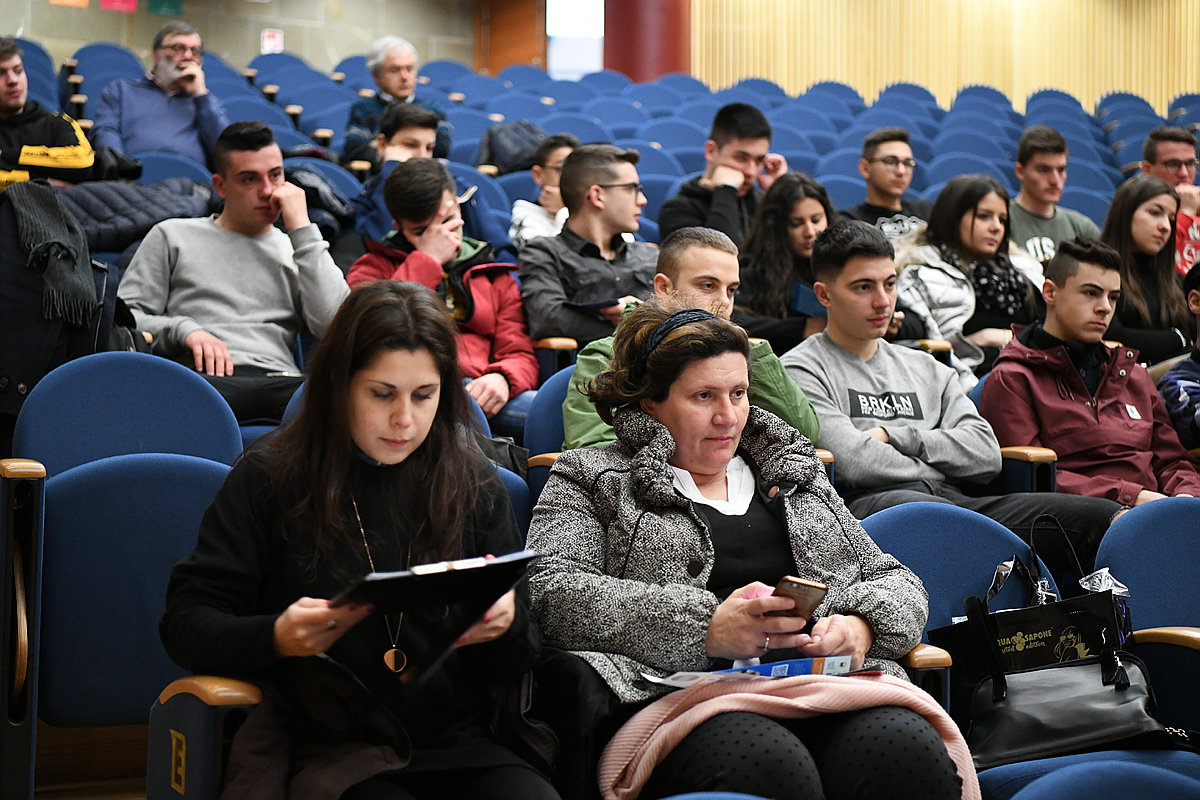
254	293
934	430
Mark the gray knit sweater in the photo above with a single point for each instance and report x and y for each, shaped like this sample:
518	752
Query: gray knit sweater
615	585
254	293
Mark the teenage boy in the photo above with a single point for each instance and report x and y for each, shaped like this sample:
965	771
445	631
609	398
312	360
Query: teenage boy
1169	153
406	131
1057	385
888	166
428	247
228	294
895	419
547	215
739	168
1035	221
170	108
700	266
34	142
577	283
1180	386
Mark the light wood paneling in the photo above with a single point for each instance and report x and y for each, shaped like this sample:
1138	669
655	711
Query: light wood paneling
1086	47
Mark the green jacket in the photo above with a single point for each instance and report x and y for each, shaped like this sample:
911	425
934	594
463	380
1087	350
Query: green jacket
770	389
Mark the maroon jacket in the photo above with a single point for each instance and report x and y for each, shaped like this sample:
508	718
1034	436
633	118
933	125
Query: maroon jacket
1113	445
492	333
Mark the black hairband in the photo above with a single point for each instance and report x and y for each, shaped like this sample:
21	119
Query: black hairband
676	320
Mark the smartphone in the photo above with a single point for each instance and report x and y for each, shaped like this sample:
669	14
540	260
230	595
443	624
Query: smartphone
807	594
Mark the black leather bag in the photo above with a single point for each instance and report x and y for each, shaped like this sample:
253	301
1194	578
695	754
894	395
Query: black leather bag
1089	703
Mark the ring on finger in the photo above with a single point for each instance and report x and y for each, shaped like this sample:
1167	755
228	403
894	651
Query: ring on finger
767	643
331	624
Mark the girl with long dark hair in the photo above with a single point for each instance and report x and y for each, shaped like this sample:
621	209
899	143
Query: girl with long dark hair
372	476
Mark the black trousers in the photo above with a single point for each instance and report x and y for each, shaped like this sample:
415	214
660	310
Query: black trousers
1085	519
254	394
872	754
512	782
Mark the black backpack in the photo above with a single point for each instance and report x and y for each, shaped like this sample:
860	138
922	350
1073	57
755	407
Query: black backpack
510	146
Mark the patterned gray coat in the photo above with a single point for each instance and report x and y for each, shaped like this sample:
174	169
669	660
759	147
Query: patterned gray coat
627	558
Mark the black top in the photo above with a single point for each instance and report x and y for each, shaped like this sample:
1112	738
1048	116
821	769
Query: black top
894	224
720	208
223	599
750	547
1088	359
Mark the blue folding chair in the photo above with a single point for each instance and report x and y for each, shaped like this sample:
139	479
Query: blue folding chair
340	177
1091	203
544	428
672	133
443	73
844	190
684	84
158	166
68	419
517	104
519	186
656	98
525	77
492	192
606	81
620	114
568	95
585	127
843	161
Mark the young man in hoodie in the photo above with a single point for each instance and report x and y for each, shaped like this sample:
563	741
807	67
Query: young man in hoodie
1057	385
739	169
428	247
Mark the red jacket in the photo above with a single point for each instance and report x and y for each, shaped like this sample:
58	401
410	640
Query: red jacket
1113	445
492	333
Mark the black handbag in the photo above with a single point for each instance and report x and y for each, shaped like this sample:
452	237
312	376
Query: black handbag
1099	701
1047	632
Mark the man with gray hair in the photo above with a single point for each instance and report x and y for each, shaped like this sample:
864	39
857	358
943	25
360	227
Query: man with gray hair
169	109
393	63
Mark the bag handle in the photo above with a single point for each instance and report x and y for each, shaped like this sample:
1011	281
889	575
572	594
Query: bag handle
983	632
1053	539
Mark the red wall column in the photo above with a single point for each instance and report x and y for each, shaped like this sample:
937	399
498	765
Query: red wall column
647	38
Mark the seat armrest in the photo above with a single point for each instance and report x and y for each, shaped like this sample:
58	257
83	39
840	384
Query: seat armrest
926	656
825	455
1033	455
21	468
556	343
1181	636
543	459
213	690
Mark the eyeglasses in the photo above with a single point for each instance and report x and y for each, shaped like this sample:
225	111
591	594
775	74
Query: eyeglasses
891	162
183	49
636	187
1173	164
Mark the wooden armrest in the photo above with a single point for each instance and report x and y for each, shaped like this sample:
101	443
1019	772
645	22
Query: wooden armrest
75	79
270	90
456	97
85	124
1034	455
488	169
496	117
71	63
926	656
214	691
21	612
359	165
79	99
548	101
148	336
22	468
556	343
294	110
423	80
1181	636
337	77
543	459
934	345
250	74
323	133
825	455
366	92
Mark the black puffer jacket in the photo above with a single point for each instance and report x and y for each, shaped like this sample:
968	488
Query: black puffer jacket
115	214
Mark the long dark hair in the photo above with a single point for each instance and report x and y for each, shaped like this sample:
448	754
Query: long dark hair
959	197
310	459
1138	269
768	263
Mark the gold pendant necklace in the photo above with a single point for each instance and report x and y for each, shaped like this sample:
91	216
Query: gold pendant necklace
393	658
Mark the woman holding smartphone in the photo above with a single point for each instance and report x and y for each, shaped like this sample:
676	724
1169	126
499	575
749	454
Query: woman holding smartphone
661	551
372	476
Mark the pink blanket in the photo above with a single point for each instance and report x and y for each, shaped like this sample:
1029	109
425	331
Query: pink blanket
631	756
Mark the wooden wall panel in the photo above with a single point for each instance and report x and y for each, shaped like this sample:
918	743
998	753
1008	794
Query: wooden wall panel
1087	47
